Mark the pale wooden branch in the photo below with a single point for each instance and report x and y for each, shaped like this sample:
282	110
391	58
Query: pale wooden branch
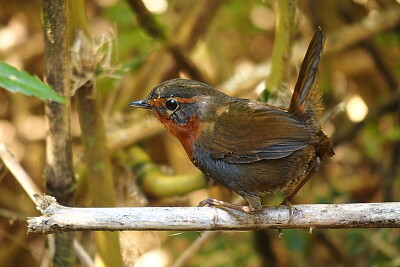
57	218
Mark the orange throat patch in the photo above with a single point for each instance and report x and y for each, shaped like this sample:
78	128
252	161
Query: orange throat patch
187	134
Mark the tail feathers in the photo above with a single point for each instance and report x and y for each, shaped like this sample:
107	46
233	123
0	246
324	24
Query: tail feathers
306	100
325	146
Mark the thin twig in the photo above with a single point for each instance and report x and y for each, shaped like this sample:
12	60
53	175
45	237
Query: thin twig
57	218
362	30
12	215
19	173
147	21
83	256
195	247
32	190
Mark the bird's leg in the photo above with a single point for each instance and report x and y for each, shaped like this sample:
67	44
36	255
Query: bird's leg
287	201
311	171
254	204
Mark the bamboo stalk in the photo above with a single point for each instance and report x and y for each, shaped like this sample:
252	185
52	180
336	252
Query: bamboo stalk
59	176
281	56
97	159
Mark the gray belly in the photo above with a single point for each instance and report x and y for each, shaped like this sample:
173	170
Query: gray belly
260	177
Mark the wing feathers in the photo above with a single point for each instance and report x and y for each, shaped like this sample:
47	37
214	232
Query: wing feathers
265	133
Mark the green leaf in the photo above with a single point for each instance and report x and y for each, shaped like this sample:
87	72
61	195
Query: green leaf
16	80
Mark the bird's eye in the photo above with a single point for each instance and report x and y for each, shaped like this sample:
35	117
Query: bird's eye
171	104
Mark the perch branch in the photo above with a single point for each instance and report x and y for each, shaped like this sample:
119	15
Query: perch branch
57	218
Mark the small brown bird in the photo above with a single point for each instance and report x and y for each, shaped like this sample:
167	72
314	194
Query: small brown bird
248	146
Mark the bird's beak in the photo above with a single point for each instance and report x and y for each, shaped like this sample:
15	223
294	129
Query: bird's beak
140	104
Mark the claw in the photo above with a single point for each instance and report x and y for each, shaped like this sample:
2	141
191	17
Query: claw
280	233
287	203
220	203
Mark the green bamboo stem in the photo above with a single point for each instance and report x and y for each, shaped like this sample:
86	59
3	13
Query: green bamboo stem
281	56
99	171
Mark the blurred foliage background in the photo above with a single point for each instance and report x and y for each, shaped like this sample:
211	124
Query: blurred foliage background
228	44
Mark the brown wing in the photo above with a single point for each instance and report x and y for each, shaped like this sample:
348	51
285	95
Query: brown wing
263	133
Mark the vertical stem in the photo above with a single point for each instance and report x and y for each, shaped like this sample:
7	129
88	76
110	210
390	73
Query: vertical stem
59	176
99	170
284	32
93	136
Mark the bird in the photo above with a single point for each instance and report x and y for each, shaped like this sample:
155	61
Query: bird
250	147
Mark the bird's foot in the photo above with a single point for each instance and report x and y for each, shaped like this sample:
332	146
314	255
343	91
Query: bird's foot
219	203
288	204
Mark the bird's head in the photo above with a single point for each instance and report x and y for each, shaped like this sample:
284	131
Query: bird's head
182	106
177	100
